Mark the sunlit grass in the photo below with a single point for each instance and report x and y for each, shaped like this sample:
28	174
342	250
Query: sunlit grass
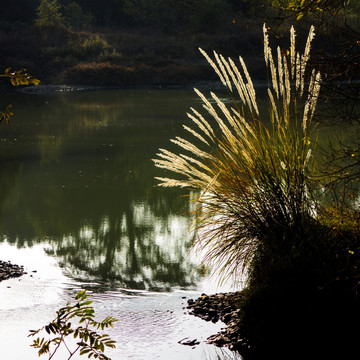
251	169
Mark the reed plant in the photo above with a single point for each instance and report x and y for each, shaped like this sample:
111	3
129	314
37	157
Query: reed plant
250	169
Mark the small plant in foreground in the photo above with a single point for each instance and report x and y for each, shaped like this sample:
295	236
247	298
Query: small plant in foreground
89	342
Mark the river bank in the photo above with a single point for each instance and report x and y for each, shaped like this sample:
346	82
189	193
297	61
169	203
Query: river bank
311	332
221	307
322	327
151	324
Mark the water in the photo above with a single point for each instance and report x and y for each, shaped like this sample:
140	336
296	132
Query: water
80	209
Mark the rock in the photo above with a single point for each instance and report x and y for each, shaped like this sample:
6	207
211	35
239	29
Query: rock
8	270
187	341
222	307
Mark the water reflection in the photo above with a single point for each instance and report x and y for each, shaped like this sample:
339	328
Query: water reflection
136	252
77	175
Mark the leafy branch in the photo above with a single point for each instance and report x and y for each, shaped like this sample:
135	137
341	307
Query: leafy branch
6	114
89	343
20	77
17	78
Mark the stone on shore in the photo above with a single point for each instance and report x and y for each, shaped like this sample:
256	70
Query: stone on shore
223	307
9	270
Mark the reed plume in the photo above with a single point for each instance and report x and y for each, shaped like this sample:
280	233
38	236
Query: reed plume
250	170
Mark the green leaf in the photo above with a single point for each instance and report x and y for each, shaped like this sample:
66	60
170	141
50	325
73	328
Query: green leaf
84	351
89	302
20	77
63	327
81	295
111	344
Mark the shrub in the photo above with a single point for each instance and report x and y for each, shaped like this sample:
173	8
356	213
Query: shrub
94	45
251	170
48	15
102	73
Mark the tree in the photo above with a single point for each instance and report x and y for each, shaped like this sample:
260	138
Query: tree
49	15
74	16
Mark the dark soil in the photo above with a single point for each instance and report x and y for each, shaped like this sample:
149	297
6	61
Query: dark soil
9	270
326	332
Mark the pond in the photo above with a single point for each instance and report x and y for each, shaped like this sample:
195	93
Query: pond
80	210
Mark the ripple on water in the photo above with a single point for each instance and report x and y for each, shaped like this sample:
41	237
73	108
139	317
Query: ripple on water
150	324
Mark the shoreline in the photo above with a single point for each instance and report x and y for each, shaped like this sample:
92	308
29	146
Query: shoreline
42	89
59	88
226	307
222	307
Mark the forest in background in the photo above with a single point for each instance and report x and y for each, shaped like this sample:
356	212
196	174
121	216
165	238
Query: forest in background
123	42
132	42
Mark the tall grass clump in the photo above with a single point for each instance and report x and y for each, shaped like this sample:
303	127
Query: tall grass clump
251	169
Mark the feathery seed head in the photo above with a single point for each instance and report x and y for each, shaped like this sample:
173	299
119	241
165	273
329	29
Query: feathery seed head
250	177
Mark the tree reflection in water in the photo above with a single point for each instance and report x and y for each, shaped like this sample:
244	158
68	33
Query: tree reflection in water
79	178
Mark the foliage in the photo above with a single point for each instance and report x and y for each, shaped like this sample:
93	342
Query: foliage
253	176
90	342
74	16
49	15
172	14
20	77
6	114
94	45
106	12
17	78
308	7
339	61
163	14
301	7
209	15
